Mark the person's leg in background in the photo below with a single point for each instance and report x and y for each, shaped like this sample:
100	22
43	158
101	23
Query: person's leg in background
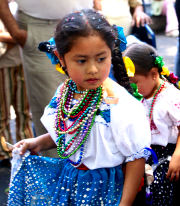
171	18
5	101
13	92
42	79
21	105
177	61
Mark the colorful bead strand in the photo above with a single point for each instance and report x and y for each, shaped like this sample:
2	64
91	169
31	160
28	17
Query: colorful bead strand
159	89
82	115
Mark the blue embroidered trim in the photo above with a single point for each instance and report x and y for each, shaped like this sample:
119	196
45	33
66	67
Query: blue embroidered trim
53	103
105	114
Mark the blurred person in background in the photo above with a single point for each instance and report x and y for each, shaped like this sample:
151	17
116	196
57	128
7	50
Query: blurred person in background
177	63
12	92
124	13
166	8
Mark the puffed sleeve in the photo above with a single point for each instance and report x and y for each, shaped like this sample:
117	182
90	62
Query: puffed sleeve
49	115
130	128
174	107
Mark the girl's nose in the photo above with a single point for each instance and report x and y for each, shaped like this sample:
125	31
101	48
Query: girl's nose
92	69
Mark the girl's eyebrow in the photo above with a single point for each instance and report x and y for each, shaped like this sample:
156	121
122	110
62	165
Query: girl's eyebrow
101	53
84	56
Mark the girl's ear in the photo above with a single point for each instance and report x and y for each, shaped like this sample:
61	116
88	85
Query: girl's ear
154	73
61	59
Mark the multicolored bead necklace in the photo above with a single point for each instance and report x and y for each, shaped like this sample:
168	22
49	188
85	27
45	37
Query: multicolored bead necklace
159	89
82	116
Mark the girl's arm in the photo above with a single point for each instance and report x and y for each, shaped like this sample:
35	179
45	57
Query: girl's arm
36	144
133	175
174	166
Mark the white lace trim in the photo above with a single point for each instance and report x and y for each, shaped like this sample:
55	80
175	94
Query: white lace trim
143	153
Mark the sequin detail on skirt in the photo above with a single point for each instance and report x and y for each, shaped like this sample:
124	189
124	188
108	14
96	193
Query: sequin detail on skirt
44	181
162	189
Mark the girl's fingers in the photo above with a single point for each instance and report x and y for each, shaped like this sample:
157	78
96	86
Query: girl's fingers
18	144
173	175
24	148
168	174
23	145
177	175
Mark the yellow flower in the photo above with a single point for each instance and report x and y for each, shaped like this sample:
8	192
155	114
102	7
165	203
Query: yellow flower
130	68
59	69
165	71
178	84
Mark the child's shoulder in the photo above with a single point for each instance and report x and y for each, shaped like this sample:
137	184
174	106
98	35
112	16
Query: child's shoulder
170	93
114	90
54	101
119	98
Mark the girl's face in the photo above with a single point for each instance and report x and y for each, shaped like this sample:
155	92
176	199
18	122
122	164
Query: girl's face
146	84
88	62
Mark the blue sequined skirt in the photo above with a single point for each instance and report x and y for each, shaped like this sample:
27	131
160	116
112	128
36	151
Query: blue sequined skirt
43	181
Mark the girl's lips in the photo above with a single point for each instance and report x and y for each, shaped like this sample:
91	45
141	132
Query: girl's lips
92	80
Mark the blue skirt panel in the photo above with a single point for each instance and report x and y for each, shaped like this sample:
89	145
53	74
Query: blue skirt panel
43	181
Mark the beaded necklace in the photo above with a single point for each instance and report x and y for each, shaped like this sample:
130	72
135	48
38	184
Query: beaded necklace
158	90
81	117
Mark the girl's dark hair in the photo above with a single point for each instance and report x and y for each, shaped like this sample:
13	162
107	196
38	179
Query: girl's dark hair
143	57
83	24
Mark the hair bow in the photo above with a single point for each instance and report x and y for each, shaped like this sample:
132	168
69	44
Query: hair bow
50	48
173	78
122	38
159	62
130	68
136	94
165	71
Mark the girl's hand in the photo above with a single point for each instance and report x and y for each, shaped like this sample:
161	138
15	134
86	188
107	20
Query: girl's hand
36	144
174	167
28	144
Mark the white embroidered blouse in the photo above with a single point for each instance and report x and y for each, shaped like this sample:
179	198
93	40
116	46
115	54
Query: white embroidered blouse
166	115
120	135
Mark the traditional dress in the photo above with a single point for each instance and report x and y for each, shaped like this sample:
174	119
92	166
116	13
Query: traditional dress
120	134
164	132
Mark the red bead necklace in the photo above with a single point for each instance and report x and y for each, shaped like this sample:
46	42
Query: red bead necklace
159	89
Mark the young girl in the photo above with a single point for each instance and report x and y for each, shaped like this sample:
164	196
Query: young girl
95	123
162	104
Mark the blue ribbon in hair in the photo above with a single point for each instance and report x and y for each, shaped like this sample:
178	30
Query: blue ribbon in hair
122	38
48	47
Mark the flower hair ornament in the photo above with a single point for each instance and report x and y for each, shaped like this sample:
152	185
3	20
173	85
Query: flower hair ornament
129	65
50	48
130	68
158	61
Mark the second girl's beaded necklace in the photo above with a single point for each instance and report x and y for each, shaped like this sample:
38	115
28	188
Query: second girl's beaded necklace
159	89
82	116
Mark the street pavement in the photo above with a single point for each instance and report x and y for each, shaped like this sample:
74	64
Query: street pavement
166	46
